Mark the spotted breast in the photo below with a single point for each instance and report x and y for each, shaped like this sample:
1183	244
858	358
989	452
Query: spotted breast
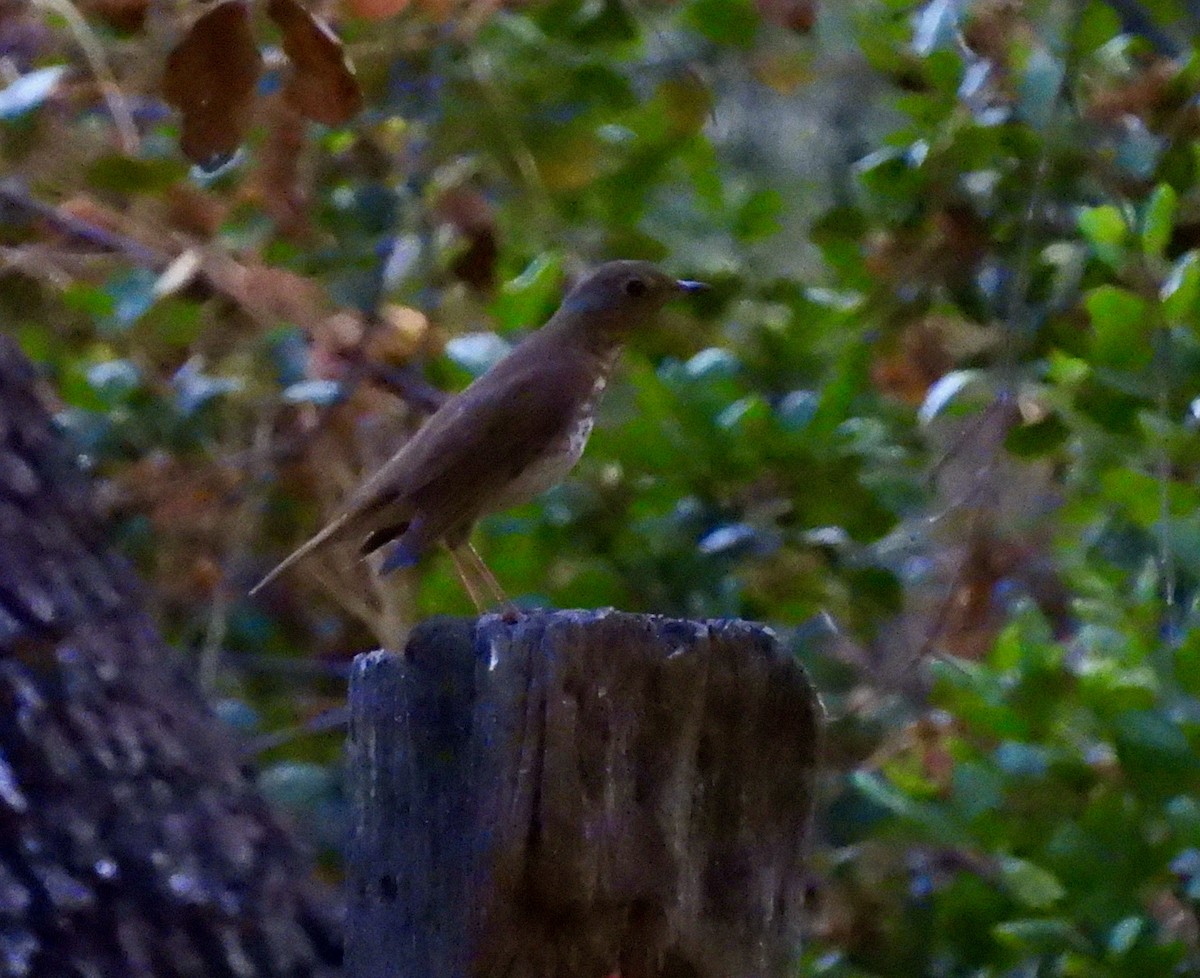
553	467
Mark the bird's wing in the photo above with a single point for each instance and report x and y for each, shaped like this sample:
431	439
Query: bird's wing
447	471
451	468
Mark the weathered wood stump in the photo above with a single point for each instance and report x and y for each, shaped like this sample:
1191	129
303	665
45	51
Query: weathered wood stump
577	794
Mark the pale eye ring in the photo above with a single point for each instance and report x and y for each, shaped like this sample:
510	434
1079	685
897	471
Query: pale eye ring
636	288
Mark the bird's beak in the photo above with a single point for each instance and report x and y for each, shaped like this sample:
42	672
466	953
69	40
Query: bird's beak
685	285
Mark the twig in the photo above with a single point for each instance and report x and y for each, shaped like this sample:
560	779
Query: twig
350	600
407	383
292	667
522	155
13	193
242	523
114	98
35	265
1015	315
332	719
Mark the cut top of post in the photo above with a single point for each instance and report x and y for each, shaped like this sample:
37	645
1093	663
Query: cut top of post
577	794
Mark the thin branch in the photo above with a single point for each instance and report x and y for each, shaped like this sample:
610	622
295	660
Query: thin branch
242	525
114	98
1015	315
292	667
13	193
407	383
332	719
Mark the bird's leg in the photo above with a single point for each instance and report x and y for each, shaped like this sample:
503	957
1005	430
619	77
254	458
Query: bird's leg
467	583
484	573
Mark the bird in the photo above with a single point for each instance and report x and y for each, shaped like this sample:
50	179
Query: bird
515	432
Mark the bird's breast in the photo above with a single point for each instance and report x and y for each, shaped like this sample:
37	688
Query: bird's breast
553	466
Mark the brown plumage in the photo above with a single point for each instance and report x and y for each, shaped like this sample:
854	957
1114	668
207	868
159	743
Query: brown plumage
512	434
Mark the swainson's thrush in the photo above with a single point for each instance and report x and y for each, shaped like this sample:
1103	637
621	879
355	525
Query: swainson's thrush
512	434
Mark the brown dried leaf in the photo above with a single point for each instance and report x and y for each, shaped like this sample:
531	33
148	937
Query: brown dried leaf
468	212
210	78
281	184
91	211
916	360
795	15
1140	95
377	9
125	15
196	211
321	85
997	28
271	294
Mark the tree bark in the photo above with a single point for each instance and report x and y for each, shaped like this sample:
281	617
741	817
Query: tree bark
578	794
131	842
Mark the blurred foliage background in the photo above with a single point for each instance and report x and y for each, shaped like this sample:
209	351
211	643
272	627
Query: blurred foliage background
936	422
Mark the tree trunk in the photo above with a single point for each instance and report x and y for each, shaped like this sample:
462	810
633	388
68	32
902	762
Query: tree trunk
131	843
578	794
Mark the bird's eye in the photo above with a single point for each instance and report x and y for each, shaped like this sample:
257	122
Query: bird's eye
636	287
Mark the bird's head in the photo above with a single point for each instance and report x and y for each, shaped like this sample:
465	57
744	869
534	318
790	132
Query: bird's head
620	296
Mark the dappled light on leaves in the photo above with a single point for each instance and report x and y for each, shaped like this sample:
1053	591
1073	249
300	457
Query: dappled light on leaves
210	78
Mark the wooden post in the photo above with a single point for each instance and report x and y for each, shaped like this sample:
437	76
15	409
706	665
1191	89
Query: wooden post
579	794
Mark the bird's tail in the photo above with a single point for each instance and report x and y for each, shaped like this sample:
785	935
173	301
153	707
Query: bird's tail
327	535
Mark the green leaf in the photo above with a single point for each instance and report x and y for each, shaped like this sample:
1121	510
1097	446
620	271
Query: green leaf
1038	87
758	217
88	299
1187	663
1181	289
1105	230
36	342
929	818
1037	438
1031	885
732	22
1066	371
1040	936
525	300
1112	409
978	789
126	175
609	22
1098	25
176	322
1158	220
892	181
1155	753
1140	493
1124	935
133	295
1121	327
